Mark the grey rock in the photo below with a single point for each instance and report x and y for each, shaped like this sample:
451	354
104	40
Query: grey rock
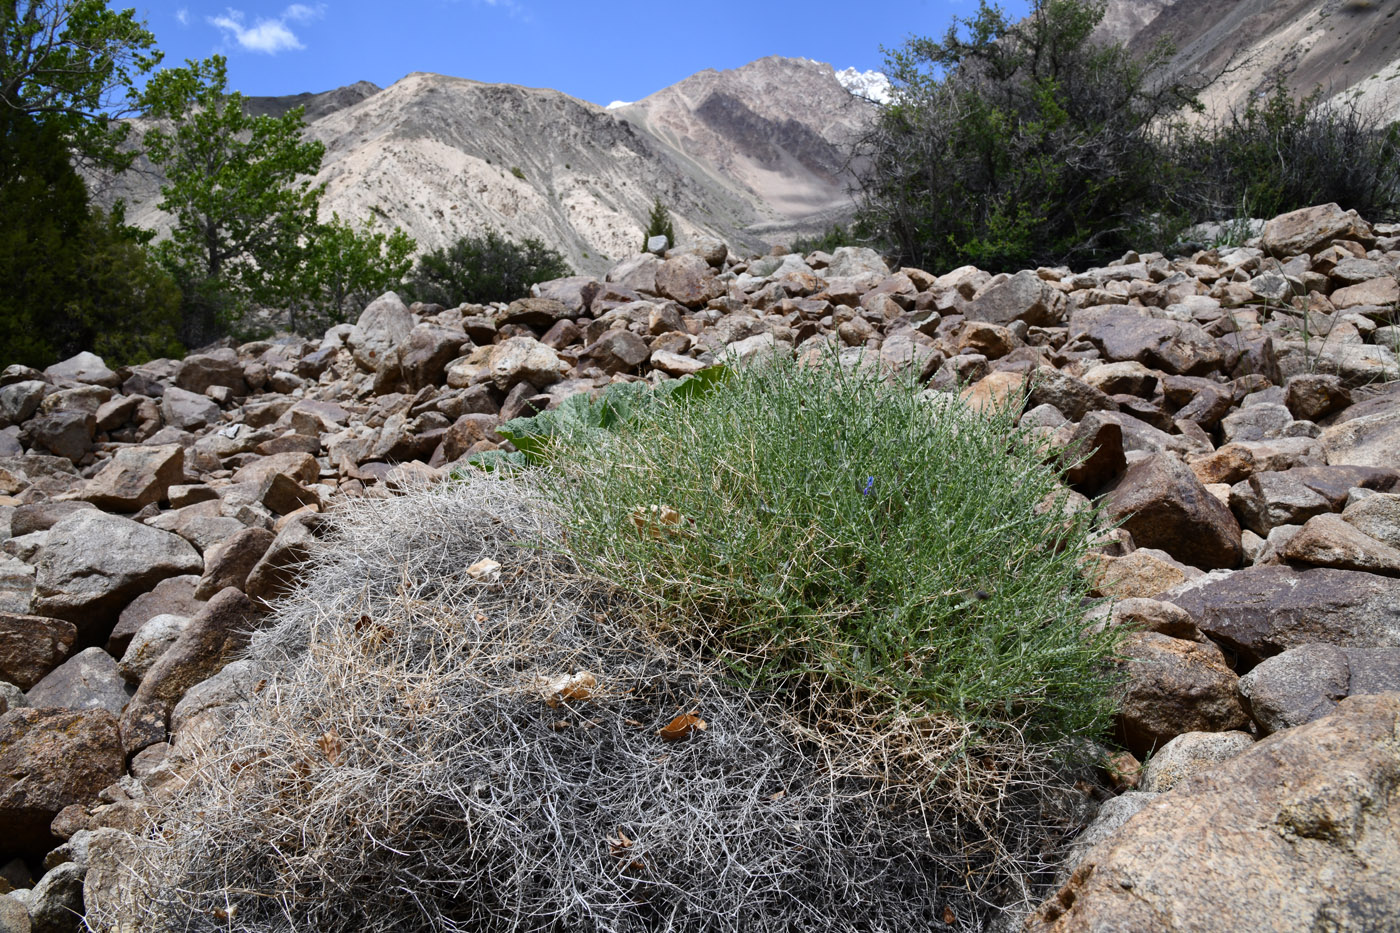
1191	753
148	644
93	564
88	680
86	368
381	327
1377	516
187	410
56	906
1022	297
19	400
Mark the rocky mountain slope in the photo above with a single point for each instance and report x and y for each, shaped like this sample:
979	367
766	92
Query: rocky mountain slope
1348	48
1238	408
740	154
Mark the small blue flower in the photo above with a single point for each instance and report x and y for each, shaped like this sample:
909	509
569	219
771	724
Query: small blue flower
869	486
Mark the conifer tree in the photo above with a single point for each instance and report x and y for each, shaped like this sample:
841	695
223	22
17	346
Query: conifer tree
659	224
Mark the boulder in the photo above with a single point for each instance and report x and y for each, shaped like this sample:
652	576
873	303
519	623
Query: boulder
188	410
19	400
1310	229
1296	834
149	644
199	372
1329	541
382	326
1190	753
228	563
136	477
300	466
688	280
208	642
1370	440
88	680
171	596
85	367
1072	397
281	566
49	759
1162	504
1022	297
66	434
1377	516
617	351
524	359
56	903
423	355
540	313
31	646
849	261
1174	686
1260	611
1310	396
94	563
1123	334
1307	683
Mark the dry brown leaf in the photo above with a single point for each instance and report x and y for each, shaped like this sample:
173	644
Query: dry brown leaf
485	570
949	917
330	745
570	688
683	727
656	519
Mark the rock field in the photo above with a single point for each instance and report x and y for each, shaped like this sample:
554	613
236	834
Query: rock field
1241	409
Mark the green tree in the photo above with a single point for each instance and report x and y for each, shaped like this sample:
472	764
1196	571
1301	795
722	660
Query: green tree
239	188
1013	142
71	64
484	268
659	224
340	269
73	279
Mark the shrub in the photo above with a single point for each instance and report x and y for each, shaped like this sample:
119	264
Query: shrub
478	269
73	278
847	539
402	767
1013	143
659	224
835	237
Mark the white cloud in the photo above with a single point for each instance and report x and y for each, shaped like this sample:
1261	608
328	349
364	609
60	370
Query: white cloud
267	35
182	15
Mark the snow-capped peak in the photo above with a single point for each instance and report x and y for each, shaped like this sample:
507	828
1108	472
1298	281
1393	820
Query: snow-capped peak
618	103
872	85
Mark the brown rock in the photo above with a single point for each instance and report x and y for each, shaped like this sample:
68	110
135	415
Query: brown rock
1370	440
1097	445
688	280
524	359
1162	504
284	495
538	313
1329	541
210	641
1123	334
1381	291
171	596
1022	297
1310	229
1144	573
299	466
617	351
279	569
1310	396
1175	686
31	646
49	759
1260	611
136	477
1246	845
228	563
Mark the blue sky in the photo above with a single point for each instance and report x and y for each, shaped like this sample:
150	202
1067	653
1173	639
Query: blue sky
595	51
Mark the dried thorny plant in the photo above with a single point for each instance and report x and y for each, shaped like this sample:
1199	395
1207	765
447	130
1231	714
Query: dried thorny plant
436	750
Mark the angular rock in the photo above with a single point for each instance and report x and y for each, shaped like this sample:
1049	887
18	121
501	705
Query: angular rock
524	359
187	410
617	351
1329	541
86	368
1242	846
381	327
1310	229
49	759
88	680
149	644
171	596
1370	440
229	562
1174	686
279	569
66	434
1260	611
1310	396
1073	397
1377	516
95	563
538	313
301	467
200	371
19	400
32	646
687	279
1122	334
1162	504
424	354
209	642
1022	297
1143	574
136	477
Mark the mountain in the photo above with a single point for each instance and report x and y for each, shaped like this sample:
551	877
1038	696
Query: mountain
748	155
1348	48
